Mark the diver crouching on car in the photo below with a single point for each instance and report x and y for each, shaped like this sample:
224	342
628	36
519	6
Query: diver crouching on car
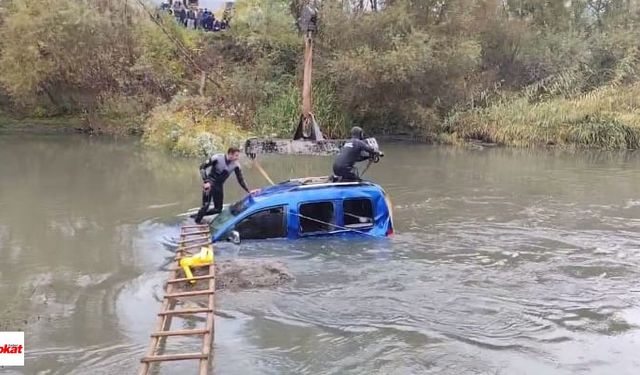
353	151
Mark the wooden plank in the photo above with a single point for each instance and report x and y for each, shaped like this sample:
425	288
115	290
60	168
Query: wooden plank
194	266
186	311
181	332
189	294
193	247
207	339
201	238
182	254
184	279
184	248
162	324
203	242
174	357
185	254
195	226
194	233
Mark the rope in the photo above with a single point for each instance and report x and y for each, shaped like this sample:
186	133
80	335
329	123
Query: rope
334	225
367	167
262	171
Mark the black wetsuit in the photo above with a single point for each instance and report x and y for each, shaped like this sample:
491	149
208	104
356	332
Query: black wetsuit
220	171
351	153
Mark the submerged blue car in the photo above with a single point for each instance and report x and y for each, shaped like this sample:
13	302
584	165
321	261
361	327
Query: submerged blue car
307	207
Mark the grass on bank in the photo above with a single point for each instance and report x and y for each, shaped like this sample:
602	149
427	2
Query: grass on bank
280	116
39	124
606	118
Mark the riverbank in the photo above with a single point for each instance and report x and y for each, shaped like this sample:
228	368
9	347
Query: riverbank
61	124
177	135
470	75
67	124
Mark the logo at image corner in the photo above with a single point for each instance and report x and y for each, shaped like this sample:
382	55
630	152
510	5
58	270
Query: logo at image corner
12	349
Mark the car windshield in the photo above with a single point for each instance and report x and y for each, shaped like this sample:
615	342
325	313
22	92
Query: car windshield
229	213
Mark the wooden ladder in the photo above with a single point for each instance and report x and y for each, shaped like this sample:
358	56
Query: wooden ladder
191	237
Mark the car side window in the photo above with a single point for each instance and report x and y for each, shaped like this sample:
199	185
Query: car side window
269	223
358	213
317	217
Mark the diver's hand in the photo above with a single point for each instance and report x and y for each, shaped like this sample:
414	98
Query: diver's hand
381	154
254	191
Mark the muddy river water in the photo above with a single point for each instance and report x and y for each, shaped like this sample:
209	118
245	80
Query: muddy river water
504	262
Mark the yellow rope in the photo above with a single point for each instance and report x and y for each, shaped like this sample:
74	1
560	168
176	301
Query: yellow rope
262	171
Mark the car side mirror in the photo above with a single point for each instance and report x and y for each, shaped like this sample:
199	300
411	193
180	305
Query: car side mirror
234	237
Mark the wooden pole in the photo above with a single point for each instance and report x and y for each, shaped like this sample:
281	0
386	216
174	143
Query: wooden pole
307	97
207	339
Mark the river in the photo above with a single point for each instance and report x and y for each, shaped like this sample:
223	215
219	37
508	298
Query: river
504	262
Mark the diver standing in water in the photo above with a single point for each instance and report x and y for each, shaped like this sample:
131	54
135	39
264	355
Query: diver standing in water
221	167
352	152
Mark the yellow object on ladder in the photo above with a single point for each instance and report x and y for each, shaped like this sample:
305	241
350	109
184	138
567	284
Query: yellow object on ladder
205	256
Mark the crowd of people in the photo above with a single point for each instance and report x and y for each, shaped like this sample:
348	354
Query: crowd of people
193	18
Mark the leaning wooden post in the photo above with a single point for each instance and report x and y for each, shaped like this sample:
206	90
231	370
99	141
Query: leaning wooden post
307	99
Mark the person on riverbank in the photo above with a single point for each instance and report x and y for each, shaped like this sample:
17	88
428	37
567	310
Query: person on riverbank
220	168
191	19
350	154
199	18
176	7
207	20
183	16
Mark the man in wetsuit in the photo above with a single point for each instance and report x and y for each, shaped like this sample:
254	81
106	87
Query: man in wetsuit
221	167
352	152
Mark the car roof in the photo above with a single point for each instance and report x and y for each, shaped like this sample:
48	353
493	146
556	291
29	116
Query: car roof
310	189
308	184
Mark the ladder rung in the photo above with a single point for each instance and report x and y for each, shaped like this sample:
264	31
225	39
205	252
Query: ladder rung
186	311
184	279
195	226
174	357
192	233
193	266
182	332
183	248
190	294
185	254
201	238
193	246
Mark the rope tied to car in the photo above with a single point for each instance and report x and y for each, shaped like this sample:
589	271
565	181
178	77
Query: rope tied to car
262	171
332	225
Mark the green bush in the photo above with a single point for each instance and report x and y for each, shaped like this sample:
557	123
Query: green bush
188	126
